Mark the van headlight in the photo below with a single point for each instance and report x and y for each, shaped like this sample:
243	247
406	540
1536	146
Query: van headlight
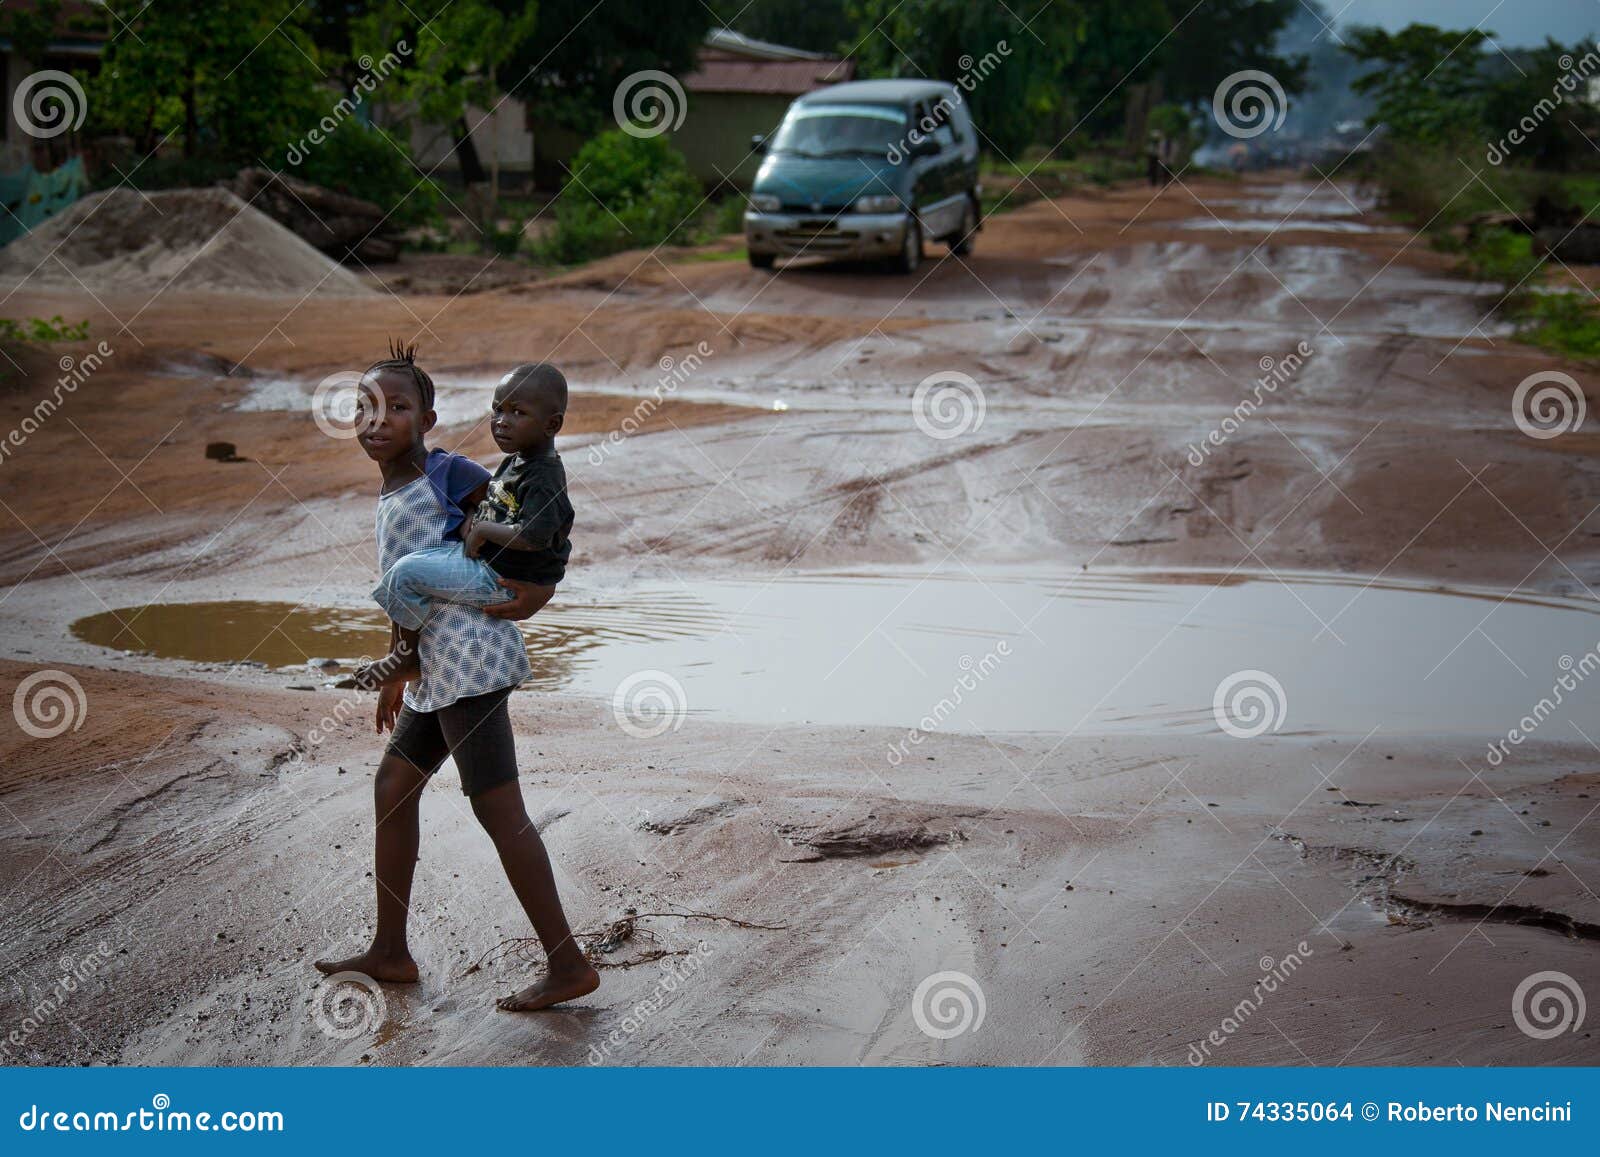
765	203
877	204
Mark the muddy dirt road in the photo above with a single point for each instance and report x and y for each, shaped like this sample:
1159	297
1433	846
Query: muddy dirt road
897	635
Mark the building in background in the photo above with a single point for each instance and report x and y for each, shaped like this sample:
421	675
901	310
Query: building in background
741	87
77	45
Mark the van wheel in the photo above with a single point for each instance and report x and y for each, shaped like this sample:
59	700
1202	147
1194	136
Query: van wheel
910	249
761	260
961	242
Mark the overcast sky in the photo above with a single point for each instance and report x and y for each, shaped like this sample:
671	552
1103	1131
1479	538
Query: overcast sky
1515	23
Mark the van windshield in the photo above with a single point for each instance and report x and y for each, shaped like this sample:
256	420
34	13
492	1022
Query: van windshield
835	130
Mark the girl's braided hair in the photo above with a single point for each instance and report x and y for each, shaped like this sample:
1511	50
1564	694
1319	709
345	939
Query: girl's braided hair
404	357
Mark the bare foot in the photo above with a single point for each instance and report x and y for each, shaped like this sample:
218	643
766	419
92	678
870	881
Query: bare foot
551	990
398	666
394	969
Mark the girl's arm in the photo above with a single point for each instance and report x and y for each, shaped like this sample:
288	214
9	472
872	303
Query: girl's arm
524	600
390	695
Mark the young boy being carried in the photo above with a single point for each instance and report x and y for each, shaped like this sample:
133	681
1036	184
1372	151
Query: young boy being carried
520	531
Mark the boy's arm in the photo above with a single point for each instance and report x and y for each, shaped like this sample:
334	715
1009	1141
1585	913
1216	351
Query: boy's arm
470	504
507	536
536	531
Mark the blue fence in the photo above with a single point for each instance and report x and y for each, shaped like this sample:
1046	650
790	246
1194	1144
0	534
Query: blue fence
30	196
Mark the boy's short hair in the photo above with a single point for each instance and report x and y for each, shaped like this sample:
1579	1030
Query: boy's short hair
404	358
542	380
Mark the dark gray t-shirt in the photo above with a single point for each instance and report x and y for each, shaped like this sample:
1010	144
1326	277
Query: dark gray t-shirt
530	494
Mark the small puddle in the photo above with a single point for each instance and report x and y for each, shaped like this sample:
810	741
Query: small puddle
999	650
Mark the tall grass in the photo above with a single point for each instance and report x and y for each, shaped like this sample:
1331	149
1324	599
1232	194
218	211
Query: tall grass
1438	190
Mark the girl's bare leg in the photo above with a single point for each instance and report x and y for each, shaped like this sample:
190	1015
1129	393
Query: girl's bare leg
397	792
570	975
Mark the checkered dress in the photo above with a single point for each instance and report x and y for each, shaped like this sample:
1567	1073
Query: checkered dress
463	651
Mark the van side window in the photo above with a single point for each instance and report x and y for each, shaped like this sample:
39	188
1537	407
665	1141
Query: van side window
961	125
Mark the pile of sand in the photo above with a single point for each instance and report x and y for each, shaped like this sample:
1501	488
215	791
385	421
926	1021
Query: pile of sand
190	239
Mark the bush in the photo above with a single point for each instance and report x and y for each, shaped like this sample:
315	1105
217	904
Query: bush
727	216
1430	186
1564	322
39	329
1505	257
353	159
504	242
357	160
173	173
625	192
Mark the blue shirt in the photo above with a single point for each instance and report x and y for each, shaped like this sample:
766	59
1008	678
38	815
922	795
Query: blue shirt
453	477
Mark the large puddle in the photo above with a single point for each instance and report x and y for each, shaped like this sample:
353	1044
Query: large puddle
1285	225
1003	651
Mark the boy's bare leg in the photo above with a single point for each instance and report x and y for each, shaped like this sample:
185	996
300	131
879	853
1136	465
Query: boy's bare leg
401	665
570	975
397	792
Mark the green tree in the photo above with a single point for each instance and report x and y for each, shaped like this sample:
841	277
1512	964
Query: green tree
1073	64
1222	38
453	60
569	70
1121	48
232	81
815	25
29	29
1541	94
1426	82
1031	44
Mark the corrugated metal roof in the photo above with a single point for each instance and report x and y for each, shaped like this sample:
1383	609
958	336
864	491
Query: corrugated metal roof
748	46
773	77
